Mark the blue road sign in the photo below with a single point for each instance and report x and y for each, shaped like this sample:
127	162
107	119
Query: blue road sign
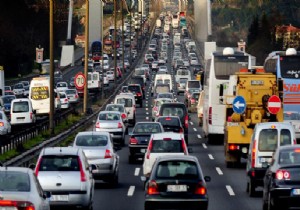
239	104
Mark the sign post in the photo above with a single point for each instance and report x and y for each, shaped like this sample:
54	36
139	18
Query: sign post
39	55
239	104
274	104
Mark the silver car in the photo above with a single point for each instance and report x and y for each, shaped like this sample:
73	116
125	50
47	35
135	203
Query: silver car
98	148
65	172
72	95
119	108
181	85
5	127
111	121
156	106
20	188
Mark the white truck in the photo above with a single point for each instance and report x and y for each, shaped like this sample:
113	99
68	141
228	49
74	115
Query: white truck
94	83
176	39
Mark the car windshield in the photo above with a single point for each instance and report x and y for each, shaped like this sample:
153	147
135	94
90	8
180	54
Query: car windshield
183	80
177	169
147	128
91	140
139	72
173	111
70	91
165	146
14	181
160	102
115	108
59	163
61	85
18	86
109	116
165	95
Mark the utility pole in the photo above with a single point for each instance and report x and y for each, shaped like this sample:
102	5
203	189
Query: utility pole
86	54
115	41
51	114
122	6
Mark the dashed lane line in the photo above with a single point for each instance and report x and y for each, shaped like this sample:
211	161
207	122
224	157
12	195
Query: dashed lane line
230	190
204	145
191	123
210	156
146	109
147	113
137	171
199	136
195	129
147	118
219	171
131	191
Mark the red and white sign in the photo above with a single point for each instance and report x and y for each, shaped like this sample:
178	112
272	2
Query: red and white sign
79	80
39	55
274	104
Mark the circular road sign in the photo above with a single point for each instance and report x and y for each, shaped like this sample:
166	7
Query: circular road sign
274	104
239	104
79	80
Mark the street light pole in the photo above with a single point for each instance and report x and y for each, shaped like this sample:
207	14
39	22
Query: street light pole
122	5
115	41
86	54
51	114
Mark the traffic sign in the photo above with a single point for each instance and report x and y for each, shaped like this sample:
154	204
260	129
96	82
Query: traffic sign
79	80
239	104
274	104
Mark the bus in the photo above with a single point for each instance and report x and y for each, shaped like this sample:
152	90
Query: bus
218	69
96	49
39	94
285	64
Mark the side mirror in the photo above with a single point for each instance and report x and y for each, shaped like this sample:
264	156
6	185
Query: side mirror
46	194
31	166
130	133
143	178
207	178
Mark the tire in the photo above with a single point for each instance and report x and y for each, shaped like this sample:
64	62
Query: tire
251	188
114	181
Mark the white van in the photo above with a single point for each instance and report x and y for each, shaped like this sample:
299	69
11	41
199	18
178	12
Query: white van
162	79
265	139
21	112
128	100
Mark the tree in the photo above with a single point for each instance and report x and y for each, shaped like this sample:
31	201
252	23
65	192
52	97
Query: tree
253	31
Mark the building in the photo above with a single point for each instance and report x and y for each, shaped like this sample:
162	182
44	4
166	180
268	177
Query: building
290	36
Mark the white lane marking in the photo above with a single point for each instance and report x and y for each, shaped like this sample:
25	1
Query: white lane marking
146	98
230	190
146	109
131	191
147	118
219	171
199	136
204	145
210	156
191	123
137	171
147	113
195	129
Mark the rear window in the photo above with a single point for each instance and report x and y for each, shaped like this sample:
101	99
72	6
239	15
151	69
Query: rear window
268	139
183	80
20	106
164	95
193	84
159	81
172	111
59	163
169	121
291	156
134	88
91	140
137	81
126	101
115	108
109	116
166	146
14	181
140	72
177	170
70	91
162	89
147	128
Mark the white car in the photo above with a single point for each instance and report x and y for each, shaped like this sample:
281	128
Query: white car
19	90
194	61
5	127
64	101
61	86
105	80
72	95
110	75
105	66
162	144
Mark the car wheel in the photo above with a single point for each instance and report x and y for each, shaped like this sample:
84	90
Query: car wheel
251	188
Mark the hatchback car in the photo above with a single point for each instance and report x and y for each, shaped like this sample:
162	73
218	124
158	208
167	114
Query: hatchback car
119	108
170	123
64	101
99	151
20	189
18	90
72	95
176	182
5	127
61	86
281	181
111	121
140	137
163	144
65	173
5	103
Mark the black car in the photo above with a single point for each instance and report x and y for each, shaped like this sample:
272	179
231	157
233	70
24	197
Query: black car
180	110
176	182
154	54
139	138
138	80
137	92
282	180
170	123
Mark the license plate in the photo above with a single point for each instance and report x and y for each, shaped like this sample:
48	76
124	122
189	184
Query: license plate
143	150
59	198
296	192
8	208
177	188
265	160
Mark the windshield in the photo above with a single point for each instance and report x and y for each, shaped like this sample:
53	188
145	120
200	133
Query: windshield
126	101
8	99
291	116
115	108
59	163
139	72
289	66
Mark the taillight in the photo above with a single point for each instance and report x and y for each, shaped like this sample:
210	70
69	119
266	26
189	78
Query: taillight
295	141
120	125
37	168
253	154
283	175
66	100
76	96
30	115
97	124
24	205
184	146
1	124
149	149
200	190
123	116
133	140
233	147
152	188
180	130
155	108
107	154
82	174
138	94
186	121
193	101
210	115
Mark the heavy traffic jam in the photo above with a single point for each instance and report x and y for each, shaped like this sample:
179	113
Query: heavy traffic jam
181	133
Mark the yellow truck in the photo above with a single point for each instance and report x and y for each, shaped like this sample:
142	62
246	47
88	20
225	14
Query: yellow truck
247	103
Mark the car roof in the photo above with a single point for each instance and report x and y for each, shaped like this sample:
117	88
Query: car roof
160	136
13	168
60	150
177	157
147	122
107	112
96	133
265	125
